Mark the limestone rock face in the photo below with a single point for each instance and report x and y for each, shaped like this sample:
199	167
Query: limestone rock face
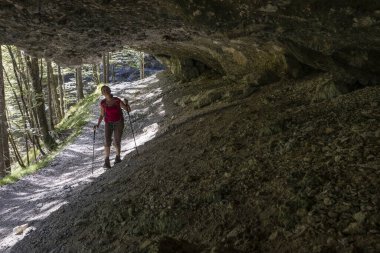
233	38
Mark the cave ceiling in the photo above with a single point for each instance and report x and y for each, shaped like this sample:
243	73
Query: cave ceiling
236	38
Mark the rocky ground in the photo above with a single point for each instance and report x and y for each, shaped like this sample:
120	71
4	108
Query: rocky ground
292	166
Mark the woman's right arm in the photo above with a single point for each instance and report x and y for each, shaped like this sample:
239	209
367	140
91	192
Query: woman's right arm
101	116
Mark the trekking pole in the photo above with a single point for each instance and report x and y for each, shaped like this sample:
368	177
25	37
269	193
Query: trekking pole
93	153
130	122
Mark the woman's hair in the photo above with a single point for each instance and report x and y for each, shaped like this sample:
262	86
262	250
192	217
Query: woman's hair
105	87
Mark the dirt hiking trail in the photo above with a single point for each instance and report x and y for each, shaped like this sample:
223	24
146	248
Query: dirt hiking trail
35	197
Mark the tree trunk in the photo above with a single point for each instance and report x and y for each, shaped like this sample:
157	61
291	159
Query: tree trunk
20	79
34	150
4	144
113	73
49	97
23	120
61	91
79	83
16	153
108	67
142	63
28	130
54	93
95	74
40	103
41	72
27	149
35	131
104	61
32	119
33	112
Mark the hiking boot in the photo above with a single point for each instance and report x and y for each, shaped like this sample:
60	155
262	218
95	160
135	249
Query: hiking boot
117	159
107	164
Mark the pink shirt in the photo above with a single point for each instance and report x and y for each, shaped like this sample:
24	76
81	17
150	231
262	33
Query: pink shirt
112	113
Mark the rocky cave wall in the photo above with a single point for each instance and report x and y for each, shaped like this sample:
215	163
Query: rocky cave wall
246	42
253	40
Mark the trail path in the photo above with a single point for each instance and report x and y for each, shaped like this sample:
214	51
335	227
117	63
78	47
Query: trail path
32	199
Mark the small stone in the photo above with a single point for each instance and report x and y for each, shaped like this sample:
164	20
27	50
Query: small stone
329	130
331	241
28	230
370	158
145	244
187	179
80	222
332	214
287	234
273	236
363	22
344	241
331	231
269	8
327	201
301	212
252	162
309	129
244	169
359	217
233	233
227	175
317	249
130	211
20	229
343	207
214	249
353	229
300	229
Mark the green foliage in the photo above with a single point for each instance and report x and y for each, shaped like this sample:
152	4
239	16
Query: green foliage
78	114
21	172
74	119
127	56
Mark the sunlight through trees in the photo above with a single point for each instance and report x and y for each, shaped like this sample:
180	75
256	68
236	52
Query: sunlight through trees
35	95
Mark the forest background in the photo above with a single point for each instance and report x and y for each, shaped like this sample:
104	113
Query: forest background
43	105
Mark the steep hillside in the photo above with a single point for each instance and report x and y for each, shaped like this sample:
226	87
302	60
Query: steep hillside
292	166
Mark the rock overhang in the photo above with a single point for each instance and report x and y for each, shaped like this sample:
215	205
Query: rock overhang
234	38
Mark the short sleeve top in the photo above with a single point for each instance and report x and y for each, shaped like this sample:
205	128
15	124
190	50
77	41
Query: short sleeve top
112	113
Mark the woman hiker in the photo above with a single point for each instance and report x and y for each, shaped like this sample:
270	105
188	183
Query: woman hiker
110	110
